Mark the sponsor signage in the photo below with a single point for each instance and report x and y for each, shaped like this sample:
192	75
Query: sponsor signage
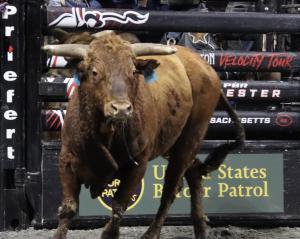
92	18
244	183
123	19
252	61
11	82
108	193
243	90
267	91
232	61
258	124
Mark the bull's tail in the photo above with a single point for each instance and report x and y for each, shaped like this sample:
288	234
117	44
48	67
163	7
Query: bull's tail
216	158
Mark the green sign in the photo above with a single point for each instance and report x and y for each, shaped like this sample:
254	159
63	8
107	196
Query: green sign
245	183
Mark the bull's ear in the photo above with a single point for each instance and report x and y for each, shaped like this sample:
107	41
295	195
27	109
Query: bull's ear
81	69
60	34
146	67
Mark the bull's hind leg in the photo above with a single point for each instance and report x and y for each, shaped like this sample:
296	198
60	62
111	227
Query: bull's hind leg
70	189
178	163
194	178
182	157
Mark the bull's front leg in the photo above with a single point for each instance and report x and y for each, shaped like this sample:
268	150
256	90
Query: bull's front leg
129	183
70	189
172	184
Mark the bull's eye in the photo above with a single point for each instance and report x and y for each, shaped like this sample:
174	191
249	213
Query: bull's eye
95	75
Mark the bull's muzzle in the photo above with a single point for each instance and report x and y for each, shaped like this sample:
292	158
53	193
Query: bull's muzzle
118	109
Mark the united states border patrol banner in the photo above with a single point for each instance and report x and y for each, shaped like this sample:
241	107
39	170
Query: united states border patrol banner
245	183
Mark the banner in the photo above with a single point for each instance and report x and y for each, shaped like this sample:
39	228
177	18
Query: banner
245	183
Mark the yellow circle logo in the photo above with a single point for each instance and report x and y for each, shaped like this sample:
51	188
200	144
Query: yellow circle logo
108	193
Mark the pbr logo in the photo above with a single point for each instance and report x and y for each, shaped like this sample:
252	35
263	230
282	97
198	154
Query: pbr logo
81	17
108	193
284	120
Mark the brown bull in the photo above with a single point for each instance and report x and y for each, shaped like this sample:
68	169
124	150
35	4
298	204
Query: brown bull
118	120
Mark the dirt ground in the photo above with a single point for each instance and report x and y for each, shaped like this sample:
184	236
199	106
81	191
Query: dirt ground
168	232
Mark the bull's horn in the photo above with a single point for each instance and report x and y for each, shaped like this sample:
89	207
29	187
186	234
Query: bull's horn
144	49
67	50
103	33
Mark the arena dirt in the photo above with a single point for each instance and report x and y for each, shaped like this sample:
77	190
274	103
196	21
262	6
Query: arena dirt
182	232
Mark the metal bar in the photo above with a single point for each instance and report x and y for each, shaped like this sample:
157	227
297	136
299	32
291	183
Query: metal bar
2	197
291	6
56	62
262	91
56	88
257	220
232	61
53	91
230	1
258	124
254	145
218	22
240	91
208	145
34	37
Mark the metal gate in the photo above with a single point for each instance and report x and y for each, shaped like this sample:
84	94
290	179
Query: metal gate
29	185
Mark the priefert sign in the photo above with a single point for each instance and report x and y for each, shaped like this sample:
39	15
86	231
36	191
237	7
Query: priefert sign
9	84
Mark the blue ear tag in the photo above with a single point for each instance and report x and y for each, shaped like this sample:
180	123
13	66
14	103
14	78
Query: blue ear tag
76	79
149	78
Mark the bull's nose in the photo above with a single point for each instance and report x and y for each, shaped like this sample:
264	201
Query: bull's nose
121	108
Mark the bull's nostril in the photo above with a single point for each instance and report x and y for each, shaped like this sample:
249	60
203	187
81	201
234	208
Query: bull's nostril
115	108
119	108
129	109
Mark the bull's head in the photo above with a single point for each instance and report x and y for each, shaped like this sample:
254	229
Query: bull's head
107	69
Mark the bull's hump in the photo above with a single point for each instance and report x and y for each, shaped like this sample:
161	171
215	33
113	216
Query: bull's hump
171	77
172	97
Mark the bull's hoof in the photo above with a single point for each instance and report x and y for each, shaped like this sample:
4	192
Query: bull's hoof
201	229
59	235
202	235
110	232
150	235
112	228
68	209
110	235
